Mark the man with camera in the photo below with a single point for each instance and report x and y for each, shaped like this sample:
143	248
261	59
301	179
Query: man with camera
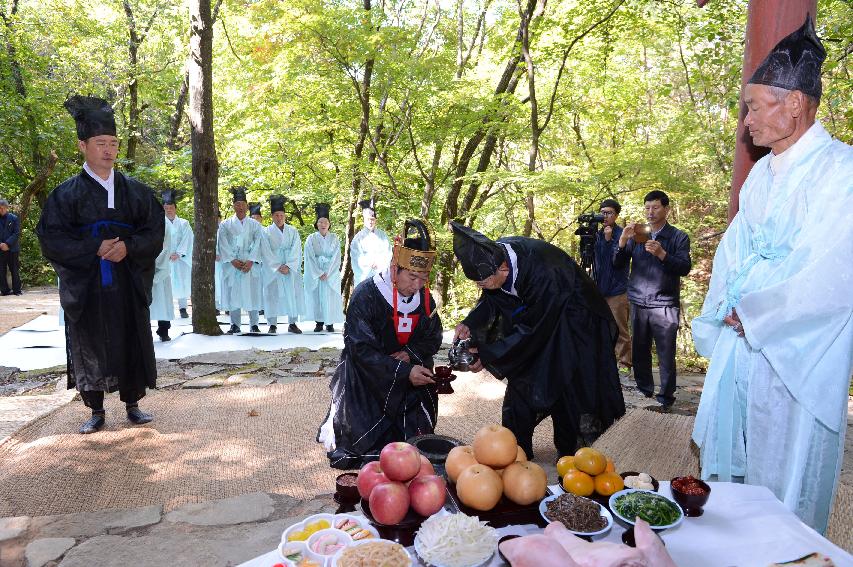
543	325
613	282
659	255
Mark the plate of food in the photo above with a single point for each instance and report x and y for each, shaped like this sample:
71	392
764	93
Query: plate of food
581	516
455	540
372	552
659	511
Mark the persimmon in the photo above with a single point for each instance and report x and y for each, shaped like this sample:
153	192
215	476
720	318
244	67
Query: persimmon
590	461
578	483
608	483
565	464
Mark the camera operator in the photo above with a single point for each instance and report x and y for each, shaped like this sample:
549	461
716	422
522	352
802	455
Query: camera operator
541	324
613	282
654	290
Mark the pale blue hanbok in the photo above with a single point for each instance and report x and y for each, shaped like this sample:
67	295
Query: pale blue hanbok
162	305
241	240
283	294
181	269
774	405
369	249
323	300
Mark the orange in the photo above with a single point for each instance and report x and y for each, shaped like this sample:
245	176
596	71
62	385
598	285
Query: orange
610	466
565	464
608	483
590	461
578	483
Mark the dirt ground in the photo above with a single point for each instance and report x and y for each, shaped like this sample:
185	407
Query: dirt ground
16	310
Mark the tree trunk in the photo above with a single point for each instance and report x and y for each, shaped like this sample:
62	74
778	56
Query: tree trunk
133	42
205	167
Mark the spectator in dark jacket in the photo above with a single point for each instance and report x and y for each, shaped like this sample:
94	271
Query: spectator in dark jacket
613	282
660	257
10	232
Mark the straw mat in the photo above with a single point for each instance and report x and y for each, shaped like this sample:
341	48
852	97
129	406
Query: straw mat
203	445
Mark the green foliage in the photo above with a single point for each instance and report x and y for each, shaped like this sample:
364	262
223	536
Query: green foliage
648	99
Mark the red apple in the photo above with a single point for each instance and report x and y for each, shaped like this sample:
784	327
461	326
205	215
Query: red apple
389	502
425	470
368	477
400	461
427	494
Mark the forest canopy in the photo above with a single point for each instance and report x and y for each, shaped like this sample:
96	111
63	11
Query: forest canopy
515	116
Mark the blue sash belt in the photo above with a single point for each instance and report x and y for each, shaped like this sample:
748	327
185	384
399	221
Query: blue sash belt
735	281
95	230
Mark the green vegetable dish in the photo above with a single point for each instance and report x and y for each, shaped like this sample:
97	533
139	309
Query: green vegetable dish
655	509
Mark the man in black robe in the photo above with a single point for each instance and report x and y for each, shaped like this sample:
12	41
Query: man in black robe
542	324
102	232
383	390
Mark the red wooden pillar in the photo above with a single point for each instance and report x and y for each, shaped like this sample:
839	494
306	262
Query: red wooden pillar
768	22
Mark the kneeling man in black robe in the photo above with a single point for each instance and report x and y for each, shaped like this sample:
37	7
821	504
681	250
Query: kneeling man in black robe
542	324
382	390
102	232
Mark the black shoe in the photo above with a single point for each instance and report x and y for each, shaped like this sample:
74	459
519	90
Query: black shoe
272	330
184	314
18	293
164	336
663	408
217	312
330	328
137	417
5	293
292	328
234	330
318	328
261	312
254	329
94	424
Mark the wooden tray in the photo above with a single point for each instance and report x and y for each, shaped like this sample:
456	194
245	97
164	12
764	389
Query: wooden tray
506	513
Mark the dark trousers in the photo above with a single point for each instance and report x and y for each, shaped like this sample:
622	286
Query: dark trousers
520	418
94	399
661	325
163	327
9	260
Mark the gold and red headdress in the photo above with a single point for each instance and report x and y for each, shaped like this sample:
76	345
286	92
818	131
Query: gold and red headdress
414	250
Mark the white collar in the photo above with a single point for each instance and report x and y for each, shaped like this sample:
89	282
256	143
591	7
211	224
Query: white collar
383	282
108	184
513	260
781	163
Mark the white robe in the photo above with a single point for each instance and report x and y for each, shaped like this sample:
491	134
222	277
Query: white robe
774	404
182	245
323	300
283	293
369	248
243	241
162	305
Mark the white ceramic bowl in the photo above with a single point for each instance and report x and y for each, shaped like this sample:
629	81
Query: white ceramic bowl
309	520
336	557
615	497
303	549
605	513
341	537
478	564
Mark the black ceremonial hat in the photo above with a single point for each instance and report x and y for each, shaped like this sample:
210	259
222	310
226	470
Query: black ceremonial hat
322	210
794	64
277	203
239	193
368	205
171	196
254	208
94	116
480	257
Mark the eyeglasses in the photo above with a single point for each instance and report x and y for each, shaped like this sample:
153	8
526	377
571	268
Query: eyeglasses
608	213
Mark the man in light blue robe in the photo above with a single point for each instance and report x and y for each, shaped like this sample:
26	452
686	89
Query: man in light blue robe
181	250
370	250
283	295
240	245
162	304
323	302
777	322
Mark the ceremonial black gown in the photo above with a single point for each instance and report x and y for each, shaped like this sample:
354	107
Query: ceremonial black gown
554	345
373	401
107	324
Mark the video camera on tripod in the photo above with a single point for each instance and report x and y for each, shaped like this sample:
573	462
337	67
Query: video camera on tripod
588	230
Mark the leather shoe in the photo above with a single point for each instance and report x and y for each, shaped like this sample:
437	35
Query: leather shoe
95	423
318	328
292	328
254	329
272	330
184	314
330	328
164	336
138	417
234	330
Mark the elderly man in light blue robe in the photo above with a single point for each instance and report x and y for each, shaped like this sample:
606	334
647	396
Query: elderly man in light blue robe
240	246
323	301
162	304
370	250
181	250
777	322
283	276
